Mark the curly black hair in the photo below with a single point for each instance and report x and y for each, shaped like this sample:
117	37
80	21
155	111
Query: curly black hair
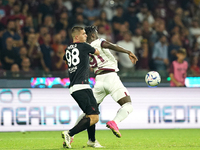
90	30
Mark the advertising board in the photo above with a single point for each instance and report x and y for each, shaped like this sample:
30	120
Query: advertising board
54	109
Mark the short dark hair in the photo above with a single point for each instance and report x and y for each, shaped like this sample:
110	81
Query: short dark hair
161	35
90	30
76	29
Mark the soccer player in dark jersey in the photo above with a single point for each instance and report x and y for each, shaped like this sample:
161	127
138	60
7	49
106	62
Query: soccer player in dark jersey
77	57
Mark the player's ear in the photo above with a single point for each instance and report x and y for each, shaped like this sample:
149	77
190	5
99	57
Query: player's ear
93	35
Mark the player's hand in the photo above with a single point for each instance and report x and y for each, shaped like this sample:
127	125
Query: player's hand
179	84
133	58
46	69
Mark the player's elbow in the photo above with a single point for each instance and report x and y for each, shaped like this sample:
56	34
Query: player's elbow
171	75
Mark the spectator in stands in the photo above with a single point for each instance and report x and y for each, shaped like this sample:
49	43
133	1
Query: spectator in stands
9	54
108	8
14	71
195	28
22	54
131	17
9	7
26	71
195	50
101	32
68	5
104	34
57	60
159	28
102	20
11	32
147	30
184	37
17	14
28	28
120	35
77	6
28	25
80	21
44	9
137	38
119	20
145	14
160	54
62	23
176	22
76	10
174	46
194	68
34	52
90	12
48	22
43	31
127	67
64	39
25	10
172	5
178	69
33	8
59	8
143	55
47	51
56	42
161	10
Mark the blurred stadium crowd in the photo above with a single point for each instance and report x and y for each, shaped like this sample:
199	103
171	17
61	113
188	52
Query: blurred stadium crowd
34	33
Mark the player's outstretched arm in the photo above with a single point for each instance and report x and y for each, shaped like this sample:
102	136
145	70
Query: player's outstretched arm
132	57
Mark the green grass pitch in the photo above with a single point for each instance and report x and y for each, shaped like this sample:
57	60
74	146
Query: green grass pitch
161	139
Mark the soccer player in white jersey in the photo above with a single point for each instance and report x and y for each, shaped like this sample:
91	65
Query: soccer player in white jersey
107	81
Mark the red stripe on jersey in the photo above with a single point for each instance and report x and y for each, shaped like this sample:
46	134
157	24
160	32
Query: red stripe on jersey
125	93
102	43
105	69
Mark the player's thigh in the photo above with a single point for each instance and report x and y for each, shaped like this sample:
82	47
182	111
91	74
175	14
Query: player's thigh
86	101
99	92
117	89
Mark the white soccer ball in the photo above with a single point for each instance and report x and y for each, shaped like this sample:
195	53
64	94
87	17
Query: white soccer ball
152	78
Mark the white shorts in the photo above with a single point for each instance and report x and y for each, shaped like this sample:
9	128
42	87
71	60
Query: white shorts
109	83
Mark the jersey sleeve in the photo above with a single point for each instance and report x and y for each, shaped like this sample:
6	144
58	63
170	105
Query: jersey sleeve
89	49
102	41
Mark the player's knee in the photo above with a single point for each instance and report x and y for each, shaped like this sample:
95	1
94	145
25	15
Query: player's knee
96	118
93	119
128	106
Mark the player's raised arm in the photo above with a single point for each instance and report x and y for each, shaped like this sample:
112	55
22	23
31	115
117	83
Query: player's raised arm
106	44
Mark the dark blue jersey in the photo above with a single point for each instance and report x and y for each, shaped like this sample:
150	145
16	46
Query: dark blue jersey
77	56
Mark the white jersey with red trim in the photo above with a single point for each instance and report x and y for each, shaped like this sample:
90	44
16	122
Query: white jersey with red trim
104	61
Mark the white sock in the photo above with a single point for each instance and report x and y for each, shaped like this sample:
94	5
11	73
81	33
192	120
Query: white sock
123	112
79	118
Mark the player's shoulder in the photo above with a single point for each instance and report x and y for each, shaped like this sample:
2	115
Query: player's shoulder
97	42
185	62
86	44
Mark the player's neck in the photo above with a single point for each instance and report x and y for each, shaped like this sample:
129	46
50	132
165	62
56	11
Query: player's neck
77	41
180	61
